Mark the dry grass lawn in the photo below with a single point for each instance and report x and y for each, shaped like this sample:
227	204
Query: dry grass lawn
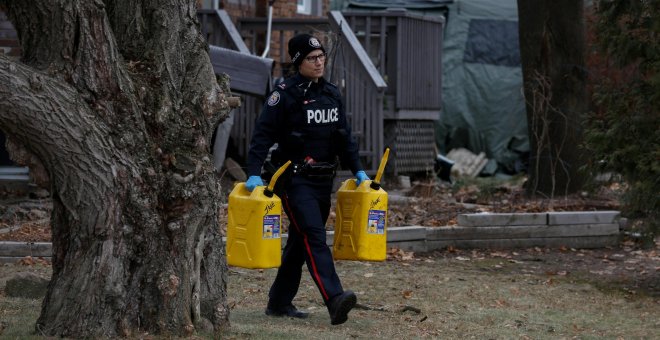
524	294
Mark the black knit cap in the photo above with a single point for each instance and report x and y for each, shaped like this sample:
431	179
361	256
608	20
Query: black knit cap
301	45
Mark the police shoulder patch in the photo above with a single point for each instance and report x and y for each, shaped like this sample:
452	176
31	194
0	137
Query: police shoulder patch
274	98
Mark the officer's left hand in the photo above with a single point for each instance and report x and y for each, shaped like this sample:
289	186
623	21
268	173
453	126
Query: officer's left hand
360	177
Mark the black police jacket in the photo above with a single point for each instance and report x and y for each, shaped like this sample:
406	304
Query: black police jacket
306	119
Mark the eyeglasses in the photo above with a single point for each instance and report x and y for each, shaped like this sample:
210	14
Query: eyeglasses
313	59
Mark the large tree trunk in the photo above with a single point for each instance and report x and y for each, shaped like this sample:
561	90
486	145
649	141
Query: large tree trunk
117	100
552	48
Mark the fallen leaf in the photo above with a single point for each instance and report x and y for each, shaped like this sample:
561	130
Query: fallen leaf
27	261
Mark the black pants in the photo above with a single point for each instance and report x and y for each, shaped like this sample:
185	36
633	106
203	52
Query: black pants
307	204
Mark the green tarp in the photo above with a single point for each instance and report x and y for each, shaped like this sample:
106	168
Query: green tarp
483	104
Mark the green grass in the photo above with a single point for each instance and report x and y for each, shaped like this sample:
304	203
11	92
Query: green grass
18	316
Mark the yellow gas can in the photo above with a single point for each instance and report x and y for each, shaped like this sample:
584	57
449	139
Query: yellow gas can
361	219
254	224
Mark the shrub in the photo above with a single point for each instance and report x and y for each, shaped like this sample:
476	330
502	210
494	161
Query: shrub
623	131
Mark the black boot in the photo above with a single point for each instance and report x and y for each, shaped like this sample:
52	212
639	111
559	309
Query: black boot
289	310
340	305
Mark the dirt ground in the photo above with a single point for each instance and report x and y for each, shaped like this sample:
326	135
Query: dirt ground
25	218
454	293
526	294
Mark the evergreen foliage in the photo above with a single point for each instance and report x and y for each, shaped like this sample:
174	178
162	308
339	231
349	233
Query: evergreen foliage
623	132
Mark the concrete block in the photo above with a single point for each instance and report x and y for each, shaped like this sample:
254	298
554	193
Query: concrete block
513	232
552	242
418	246
9	259
22	249
14	259
397	234
583	217
498	219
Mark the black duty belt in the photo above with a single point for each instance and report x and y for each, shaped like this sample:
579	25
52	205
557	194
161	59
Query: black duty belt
318	170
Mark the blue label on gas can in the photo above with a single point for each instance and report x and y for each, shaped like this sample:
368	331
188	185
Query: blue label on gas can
271	226
376	222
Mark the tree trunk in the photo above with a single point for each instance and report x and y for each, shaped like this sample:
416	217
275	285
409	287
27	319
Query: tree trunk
117	101
552	48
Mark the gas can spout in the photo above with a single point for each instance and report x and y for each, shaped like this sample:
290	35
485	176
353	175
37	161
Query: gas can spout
269	190
375	184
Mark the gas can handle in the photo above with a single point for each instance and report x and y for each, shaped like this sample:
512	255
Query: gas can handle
269	190
375	184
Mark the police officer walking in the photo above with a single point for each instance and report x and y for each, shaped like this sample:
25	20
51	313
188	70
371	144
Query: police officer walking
305	117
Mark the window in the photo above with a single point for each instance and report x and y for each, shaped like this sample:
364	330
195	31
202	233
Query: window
304	7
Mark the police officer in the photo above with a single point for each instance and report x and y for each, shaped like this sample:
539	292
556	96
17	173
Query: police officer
305	117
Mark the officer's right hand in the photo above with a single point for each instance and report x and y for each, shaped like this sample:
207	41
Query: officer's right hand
253	182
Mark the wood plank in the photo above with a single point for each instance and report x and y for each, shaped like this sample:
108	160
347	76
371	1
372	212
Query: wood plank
249	74
339	24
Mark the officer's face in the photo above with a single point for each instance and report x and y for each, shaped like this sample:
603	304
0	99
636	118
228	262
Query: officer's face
313	65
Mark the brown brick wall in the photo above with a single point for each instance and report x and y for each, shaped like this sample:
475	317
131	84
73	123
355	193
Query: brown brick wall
9	44
239	8
259	8
287	9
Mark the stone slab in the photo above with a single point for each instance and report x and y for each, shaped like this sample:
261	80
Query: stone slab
418	246
14	259
500	219
514	232
553	242
398	234
21	249
583	217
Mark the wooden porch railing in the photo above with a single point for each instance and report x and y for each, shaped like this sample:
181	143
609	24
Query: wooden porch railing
349	67
363	88
219	30
406	47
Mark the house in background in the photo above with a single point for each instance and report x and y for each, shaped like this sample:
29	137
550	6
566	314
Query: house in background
387	63
9	46
483	108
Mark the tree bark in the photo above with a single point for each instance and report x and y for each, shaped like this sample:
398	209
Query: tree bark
117	100
552	49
